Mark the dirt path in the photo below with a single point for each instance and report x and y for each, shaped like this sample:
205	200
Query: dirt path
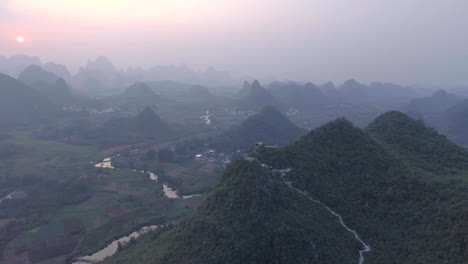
365	247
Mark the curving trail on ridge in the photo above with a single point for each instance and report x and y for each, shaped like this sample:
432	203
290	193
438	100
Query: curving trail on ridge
365	247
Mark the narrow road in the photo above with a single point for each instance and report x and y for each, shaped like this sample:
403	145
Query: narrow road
365	247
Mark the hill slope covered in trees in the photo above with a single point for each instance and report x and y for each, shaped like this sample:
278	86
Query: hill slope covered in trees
380	180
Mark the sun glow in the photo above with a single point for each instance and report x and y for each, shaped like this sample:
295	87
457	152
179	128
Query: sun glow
20	39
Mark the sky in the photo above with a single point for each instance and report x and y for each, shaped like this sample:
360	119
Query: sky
403	41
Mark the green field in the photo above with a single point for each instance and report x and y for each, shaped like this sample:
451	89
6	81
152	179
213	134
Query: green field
68	199
27	156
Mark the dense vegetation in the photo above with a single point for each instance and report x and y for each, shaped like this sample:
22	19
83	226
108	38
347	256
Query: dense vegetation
253	217
400	184
393	183
145	126
269	126
401	203
422	146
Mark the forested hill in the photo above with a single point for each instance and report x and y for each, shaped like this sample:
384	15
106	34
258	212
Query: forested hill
269	126
389	185
415	142
252	217
405	211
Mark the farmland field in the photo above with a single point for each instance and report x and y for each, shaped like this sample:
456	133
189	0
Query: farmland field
70	208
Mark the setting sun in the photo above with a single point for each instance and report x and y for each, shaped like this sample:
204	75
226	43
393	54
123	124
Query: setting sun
272	131
20	39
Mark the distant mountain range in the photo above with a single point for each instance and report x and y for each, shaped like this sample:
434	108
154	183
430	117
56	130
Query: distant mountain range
295	95
386	94
14	65
432	106
445	111
254	96
100	76
178	90
398	184
309	97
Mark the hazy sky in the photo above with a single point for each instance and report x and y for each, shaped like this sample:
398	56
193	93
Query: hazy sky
405	41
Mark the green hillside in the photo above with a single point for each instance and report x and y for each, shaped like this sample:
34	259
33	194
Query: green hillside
405	217
383	181
253	217
145	126
421	145
269	126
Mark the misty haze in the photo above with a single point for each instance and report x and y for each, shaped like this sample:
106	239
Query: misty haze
222	131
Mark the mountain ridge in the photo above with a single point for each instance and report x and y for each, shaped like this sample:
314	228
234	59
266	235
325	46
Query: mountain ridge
269	219
269	126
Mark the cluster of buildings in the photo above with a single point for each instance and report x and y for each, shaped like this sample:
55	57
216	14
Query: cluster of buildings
91	110
212	156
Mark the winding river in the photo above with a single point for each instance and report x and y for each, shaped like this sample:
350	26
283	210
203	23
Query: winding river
207	118
168	191
105	164
172	194
113	247
14	195
153	176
